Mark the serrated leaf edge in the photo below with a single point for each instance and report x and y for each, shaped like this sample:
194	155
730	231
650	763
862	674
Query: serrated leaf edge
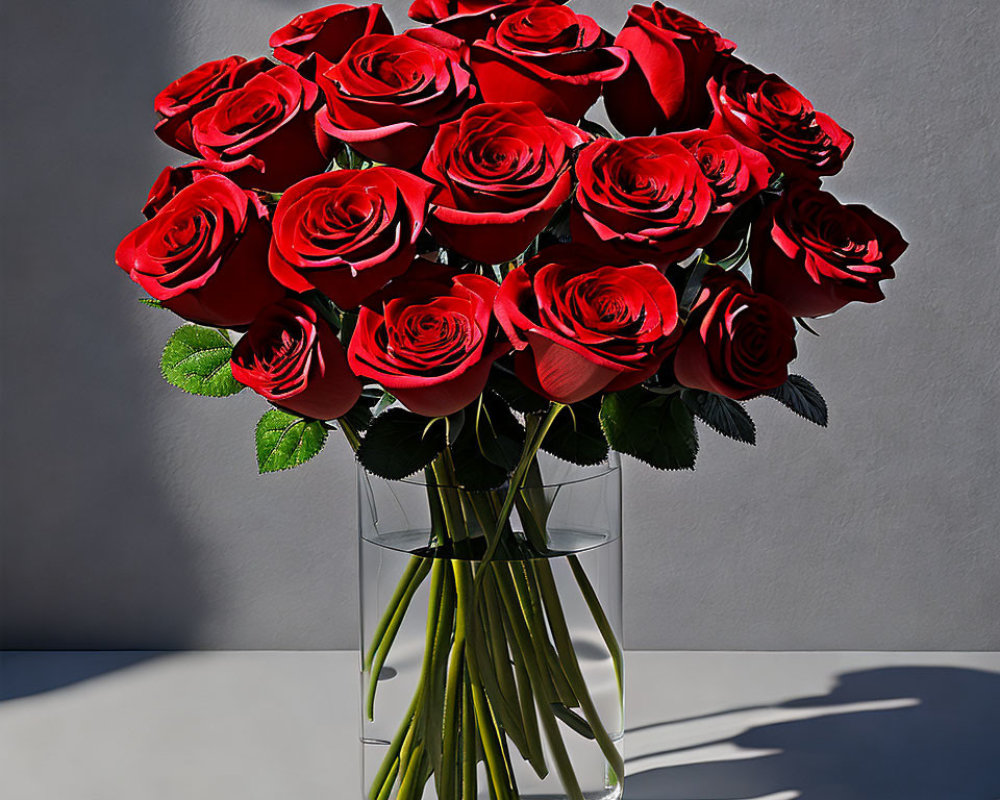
297	420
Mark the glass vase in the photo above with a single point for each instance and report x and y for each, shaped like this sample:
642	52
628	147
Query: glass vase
491	658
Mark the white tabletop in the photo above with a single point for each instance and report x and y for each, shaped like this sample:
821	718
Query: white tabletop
702	726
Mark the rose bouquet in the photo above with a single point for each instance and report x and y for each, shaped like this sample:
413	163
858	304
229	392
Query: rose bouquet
421	240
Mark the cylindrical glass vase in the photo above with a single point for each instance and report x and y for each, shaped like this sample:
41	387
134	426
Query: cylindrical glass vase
492	672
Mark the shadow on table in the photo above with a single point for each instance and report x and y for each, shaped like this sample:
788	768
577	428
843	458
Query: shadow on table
28	673
944	746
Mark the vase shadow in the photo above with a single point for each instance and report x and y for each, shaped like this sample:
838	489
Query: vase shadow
931	733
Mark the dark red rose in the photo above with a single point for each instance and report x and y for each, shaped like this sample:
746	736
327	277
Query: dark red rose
642	199
328	31
548	55
292	356
348	232
736	343
467	19
431	342
503	169
581	327
204	255
263	134
168	183
815	255
181	100
769	115
387	96
735	172
673	56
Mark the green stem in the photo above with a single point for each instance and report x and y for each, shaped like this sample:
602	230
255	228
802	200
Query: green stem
601	619
402	590
567	655
390	636
351	433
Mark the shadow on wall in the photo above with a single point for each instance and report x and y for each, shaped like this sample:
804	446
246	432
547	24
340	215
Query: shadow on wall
929	733
92	553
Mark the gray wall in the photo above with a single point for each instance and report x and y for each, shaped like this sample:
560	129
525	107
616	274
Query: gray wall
132	515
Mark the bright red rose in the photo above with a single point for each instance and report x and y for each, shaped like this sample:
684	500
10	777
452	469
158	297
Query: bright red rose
581	327
431	342
348	232
328	31
181	100
503	169
204	255
387	96
168	183
673	56
263	134
291	356
467	19
736	343
550	56
769	115
642	199
815	255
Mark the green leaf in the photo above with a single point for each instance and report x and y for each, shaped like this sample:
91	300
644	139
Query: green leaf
285	440
152	302
722	414
396	445
518	396
196	359
656	429
360	417
803	398
577	437
499	436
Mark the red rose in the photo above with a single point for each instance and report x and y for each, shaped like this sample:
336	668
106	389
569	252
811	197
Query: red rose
548	55
327	31
430	343
735	343
263	134
292	357
581	327
503	170
348	232
181	100
767	114
168	183
673	56
642	199
467	19
388	94
204	255
815	255
735	172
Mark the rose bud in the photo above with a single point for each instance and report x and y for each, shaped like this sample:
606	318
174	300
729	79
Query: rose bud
580	327
503	169
263	134
169	182
467	19
328	31
348	232
642	199
204	255
815	255
430	341
673	56
293	357
550	56
181	100
388	94
736	343
769	115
